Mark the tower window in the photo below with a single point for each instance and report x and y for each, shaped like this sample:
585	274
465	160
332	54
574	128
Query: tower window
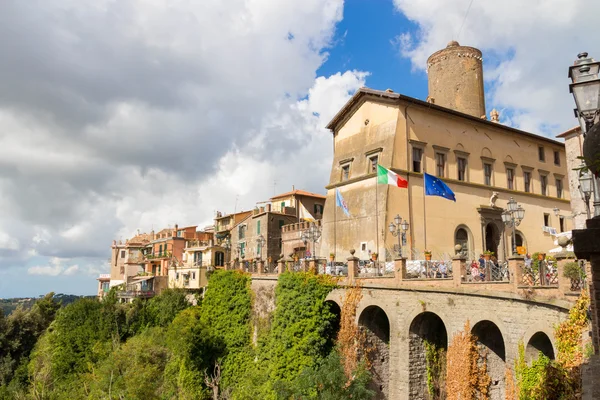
510	178
527	181
417	155
487	174
440	161
561	221
544	184
373	161
559	188
345	172
556	157
541	153
546	219
462	168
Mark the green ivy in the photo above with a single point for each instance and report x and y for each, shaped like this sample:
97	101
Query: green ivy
435	358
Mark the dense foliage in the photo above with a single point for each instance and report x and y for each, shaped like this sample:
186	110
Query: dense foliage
164	348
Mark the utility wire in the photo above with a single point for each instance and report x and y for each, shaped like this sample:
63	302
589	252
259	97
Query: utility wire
464	19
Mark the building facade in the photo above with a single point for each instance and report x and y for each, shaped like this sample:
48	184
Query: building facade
484	162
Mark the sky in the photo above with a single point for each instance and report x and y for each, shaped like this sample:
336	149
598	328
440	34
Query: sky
140	114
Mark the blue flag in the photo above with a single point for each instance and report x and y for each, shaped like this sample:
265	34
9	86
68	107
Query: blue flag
436	187
340	202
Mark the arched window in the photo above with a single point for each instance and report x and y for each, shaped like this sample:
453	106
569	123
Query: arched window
462	237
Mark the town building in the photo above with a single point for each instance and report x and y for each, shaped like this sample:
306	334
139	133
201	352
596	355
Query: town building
484	162
259	235
103	285
199	257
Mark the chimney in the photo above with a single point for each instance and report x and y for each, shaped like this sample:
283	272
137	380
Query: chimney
455	79
293	188
175	230
268	208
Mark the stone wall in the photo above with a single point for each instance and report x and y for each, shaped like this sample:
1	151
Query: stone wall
263	305
516	319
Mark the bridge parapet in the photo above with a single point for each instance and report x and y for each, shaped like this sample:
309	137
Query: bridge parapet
515	277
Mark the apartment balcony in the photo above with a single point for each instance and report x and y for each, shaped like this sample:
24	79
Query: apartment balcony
158	255
192	244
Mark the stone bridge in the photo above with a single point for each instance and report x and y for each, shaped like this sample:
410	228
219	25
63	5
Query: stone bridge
397	315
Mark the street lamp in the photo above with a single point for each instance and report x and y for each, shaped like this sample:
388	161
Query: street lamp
398	228
585	88
261	242
586	188
312	234
512	217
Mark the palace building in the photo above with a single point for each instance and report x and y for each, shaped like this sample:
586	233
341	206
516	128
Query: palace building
484	163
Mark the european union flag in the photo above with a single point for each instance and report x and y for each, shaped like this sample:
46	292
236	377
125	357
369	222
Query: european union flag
436	187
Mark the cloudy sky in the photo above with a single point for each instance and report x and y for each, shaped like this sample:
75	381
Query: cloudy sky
139	114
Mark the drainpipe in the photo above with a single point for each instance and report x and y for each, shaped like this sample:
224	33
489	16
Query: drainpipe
410	209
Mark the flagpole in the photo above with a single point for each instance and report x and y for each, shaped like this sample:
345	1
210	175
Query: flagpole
334	228
424	213
377	218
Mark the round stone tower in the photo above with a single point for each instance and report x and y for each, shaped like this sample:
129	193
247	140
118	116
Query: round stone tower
456	79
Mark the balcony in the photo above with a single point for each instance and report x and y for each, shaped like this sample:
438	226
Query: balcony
158	255
190	244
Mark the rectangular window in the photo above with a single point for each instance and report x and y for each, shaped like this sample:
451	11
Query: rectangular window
440	164
541	153
242	249
510	178
177	276
462	168
559	188
160	250
258	249
417	155
345	172
179	233
546	219
122	253
258	227
242	232
198	258
373	161
318	209
193	276
544	184
561	221
527	181
556	157
487	174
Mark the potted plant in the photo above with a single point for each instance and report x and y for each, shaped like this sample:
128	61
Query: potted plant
331	256
374	256
572	271
427	255
541	256
487	255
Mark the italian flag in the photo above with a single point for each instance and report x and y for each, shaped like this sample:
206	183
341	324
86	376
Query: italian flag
387	177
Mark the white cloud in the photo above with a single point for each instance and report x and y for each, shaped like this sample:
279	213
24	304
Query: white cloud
178	110
527	47
54	268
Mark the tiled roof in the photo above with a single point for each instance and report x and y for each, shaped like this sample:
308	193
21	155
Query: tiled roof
298	193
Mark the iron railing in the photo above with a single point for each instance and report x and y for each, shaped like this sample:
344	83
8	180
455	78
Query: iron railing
427	269
542	273
490	272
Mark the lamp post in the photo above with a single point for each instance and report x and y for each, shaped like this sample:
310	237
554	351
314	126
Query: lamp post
312	234
260	240
398	229
512	217
585	88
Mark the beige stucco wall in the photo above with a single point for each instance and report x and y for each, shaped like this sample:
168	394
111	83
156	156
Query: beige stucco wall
434	220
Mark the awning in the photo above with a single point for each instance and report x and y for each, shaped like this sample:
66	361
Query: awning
115	282
137	279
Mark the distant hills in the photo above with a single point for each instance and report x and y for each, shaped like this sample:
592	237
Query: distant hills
8	305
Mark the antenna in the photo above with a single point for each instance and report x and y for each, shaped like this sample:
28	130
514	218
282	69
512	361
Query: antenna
235	207
464	19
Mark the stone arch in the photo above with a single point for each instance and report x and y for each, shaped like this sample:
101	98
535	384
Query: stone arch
539	342
465	236
425	327
491	345
336	310
374	327
521	240
485	152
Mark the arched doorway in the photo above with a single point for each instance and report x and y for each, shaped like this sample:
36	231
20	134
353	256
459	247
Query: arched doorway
491	347
428	343
539	343
492	238
375	326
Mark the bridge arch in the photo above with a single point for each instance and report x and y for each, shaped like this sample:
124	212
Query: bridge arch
491	344
539	342
427	330
374	326
336	310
